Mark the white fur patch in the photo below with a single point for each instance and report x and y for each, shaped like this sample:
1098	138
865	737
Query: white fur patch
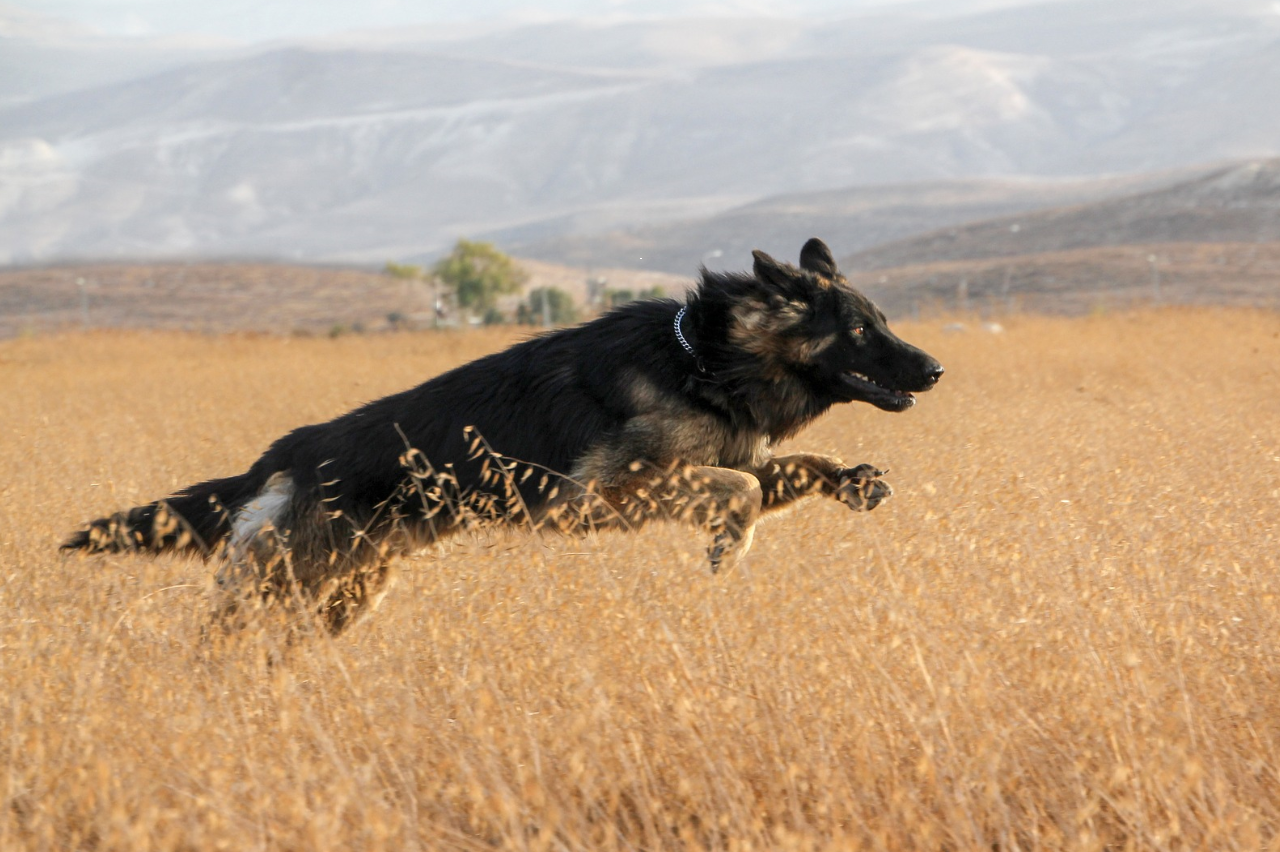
264	512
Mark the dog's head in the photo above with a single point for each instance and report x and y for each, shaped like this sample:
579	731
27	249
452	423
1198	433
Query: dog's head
809	323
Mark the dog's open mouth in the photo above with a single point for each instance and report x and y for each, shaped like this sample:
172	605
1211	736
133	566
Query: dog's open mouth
876	394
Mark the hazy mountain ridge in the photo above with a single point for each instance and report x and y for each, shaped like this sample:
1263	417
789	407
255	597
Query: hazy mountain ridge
342	153
851	220
1238	203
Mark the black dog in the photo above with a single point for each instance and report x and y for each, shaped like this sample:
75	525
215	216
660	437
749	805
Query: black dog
656	410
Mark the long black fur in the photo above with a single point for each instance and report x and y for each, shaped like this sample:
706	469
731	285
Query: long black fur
195	519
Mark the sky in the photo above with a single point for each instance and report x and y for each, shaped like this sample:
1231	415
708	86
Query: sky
259	20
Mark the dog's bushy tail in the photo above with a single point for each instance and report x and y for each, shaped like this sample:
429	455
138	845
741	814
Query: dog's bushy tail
195	520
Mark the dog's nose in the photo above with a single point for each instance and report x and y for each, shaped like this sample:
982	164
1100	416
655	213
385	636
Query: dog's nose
935	373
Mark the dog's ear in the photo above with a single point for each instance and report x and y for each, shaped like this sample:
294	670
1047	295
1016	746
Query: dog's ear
780	276
816	257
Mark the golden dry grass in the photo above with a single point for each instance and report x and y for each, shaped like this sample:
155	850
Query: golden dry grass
1062	633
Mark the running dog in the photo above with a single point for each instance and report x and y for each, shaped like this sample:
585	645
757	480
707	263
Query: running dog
657	410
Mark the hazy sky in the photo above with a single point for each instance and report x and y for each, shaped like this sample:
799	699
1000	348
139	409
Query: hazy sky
265	19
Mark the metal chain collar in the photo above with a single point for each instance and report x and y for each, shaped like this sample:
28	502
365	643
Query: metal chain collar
680	336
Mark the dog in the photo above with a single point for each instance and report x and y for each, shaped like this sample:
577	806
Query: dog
658	409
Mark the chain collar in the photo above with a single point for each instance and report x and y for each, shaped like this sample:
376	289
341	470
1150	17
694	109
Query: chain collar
680	336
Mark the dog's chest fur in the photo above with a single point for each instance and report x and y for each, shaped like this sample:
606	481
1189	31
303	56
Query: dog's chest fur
666	429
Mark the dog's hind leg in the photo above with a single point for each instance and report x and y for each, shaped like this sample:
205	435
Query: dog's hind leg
350	599
255	566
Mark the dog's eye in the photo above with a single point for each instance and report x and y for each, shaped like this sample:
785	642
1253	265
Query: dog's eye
859	330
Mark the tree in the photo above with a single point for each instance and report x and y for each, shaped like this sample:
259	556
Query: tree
405	271
548	306
478	274
618	298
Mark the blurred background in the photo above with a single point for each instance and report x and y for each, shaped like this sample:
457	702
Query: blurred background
259	164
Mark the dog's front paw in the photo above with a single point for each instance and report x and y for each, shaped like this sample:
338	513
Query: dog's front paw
861	488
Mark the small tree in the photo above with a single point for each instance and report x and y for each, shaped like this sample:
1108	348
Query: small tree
404	271
618	298
548	306
478	274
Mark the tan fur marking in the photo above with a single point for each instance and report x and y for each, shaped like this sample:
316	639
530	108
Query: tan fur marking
666	431
802	350
644	395
667	436
791	313
761	330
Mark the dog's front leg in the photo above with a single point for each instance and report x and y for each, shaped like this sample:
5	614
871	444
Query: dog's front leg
785	479
729	504
724	501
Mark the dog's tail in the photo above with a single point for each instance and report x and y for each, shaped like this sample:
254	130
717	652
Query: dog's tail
195	520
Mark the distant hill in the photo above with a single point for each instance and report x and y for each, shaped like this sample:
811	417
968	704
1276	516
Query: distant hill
1083	280
848	219
221	297
281	298
1237	203
391	146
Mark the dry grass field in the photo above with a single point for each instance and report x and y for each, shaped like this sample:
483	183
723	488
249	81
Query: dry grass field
1062	633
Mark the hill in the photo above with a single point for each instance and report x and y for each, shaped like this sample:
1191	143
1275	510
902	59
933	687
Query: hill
359	150
851	219
1235	203
281	298
214	297
1084	280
